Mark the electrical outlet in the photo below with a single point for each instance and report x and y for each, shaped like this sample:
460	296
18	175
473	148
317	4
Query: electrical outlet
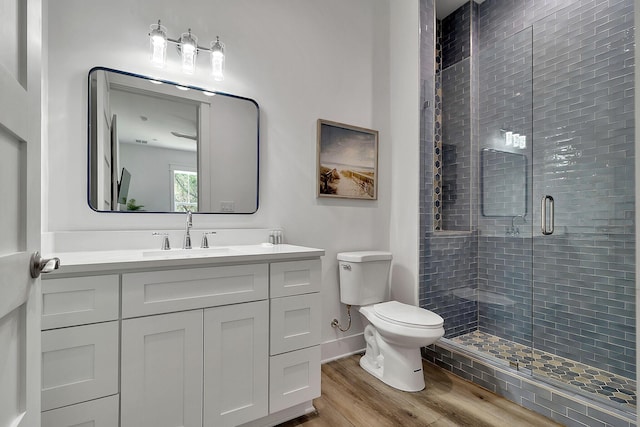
228	206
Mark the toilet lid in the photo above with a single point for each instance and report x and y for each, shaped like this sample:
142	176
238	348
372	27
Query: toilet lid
398	312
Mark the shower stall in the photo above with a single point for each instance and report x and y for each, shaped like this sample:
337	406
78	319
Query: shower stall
528	200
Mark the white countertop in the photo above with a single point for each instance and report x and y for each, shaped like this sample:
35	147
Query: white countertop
136	259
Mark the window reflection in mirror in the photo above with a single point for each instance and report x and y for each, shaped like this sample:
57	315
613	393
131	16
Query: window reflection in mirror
180	148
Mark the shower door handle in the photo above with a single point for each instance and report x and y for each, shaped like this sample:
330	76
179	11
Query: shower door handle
547	201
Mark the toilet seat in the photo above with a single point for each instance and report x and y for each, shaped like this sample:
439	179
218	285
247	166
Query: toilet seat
407	315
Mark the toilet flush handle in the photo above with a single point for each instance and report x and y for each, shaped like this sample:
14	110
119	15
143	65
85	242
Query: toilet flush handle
346	267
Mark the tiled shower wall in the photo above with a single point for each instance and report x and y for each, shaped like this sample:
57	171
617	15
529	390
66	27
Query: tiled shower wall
456	157
447	259
583	298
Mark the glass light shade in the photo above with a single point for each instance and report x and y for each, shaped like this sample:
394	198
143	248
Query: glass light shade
158	45
189	51
217	60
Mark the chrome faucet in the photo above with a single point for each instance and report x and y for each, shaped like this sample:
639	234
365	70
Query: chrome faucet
187	236
514	230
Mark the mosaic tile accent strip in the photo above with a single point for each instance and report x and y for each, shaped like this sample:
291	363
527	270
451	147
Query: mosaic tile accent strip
602	383
437	133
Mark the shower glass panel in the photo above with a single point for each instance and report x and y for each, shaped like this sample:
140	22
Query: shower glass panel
505	76
583	157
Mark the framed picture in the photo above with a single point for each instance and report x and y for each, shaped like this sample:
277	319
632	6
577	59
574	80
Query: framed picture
347	161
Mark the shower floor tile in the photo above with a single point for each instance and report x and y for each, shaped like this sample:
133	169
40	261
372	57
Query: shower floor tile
605	384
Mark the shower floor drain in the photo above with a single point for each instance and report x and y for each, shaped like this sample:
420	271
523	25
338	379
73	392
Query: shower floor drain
605	384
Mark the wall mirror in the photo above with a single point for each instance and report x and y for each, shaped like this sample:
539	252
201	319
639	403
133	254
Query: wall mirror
504	183
158	146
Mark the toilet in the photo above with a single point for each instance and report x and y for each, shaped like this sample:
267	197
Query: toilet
396	331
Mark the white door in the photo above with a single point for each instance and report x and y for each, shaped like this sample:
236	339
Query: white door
20	70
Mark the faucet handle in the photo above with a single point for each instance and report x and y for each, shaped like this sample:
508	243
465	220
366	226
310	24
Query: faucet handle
205	240
165	246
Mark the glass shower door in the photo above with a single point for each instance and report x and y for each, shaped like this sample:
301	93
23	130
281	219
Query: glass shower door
583	200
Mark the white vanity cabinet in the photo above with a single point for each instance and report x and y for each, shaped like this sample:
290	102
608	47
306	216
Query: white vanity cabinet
216	358
182	343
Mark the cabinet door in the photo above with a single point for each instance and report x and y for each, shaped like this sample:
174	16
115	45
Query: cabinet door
161	382
79	364
236	366
95	413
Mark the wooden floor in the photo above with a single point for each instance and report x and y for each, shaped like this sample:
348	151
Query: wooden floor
352	397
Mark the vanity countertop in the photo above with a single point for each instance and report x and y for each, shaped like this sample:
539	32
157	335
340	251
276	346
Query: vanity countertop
130	260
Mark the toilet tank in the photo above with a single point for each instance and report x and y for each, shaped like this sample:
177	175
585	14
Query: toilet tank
364	277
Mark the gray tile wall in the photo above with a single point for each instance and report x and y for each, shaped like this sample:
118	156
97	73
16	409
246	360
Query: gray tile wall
504	253
457	151
446	275
584	299
583	122
456	36
583	110
504	278
499	19
449	278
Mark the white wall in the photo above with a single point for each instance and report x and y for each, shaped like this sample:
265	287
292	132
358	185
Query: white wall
404	228
300	60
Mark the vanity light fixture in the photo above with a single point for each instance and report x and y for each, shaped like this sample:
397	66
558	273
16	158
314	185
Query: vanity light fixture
188	49
515	140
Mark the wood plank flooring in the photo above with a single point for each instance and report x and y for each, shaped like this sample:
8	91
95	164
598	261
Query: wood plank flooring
353	398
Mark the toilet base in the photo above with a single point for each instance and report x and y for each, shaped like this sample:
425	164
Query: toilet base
398	367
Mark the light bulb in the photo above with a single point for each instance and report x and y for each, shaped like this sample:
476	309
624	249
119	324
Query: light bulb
217	60
158	43
189	51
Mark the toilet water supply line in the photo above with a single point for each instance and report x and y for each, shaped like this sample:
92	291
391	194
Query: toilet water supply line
336	324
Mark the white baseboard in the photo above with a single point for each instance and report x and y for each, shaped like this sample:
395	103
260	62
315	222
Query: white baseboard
342	347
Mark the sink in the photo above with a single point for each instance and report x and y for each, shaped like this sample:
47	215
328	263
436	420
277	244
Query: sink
188	253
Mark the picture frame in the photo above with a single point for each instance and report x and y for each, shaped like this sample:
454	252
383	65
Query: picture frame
347	161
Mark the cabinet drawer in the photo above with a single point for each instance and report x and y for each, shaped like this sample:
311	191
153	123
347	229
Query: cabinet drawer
295	277
294	378
79	364
176	290
295	322
96	413
79	301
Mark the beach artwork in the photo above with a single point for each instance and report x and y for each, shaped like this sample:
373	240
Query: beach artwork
347	161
